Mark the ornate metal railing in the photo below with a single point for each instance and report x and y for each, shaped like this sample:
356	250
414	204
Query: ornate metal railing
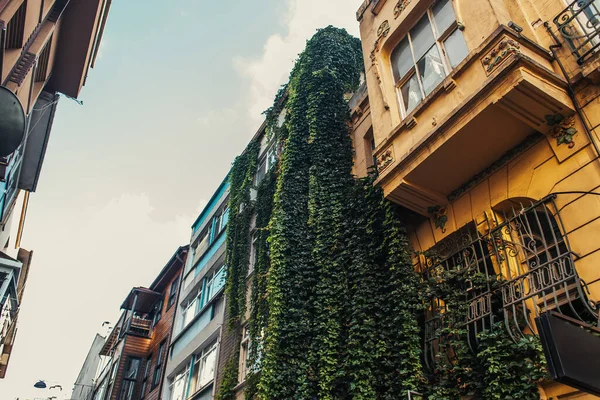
579	24
502	271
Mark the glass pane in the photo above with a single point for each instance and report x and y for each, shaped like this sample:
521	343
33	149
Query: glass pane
456	48
207	371
132	369
178	392
443	14
219	279
422	37
411	94
402	60
431	70
225	218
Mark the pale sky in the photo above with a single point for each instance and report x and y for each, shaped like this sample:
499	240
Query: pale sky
178	91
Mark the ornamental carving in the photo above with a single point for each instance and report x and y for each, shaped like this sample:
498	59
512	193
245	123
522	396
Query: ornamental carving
440	216
499	53
385	159
400	6
562	128
382	32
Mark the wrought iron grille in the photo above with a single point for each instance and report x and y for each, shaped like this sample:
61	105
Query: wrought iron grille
502	271
579	24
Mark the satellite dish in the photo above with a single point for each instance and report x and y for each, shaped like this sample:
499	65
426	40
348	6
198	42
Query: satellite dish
12	122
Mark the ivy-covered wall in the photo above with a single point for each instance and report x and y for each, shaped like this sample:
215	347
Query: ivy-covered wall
336	306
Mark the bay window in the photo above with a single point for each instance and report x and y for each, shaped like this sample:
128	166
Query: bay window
430	50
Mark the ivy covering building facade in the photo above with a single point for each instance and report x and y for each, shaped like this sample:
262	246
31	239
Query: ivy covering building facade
336	307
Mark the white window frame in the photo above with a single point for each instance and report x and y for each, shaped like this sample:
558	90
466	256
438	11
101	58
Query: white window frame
439	40
244	362
183	375
201	362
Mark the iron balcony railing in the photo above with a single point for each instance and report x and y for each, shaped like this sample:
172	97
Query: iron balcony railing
579	24
503	271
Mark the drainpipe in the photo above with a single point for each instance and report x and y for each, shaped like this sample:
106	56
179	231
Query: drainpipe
557	45
2	46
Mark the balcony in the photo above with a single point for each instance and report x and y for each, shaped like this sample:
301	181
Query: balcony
579	24
498	102
139	326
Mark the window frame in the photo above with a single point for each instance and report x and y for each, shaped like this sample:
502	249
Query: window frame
173	292
439	43
201	362
182	375
159	364
244	354
147	368
128	382
158	310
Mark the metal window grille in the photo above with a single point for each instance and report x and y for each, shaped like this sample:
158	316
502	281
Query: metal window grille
508	268
579	24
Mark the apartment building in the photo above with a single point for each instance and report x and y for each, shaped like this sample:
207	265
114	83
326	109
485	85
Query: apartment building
46	48
485	130
194	347
134	354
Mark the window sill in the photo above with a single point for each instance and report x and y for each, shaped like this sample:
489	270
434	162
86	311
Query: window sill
201	390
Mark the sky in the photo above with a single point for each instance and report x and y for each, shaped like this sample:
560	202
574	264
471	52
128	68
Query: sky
177	92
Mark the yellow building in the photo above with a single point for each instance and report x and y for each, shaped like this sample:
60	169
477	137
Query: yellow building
483	117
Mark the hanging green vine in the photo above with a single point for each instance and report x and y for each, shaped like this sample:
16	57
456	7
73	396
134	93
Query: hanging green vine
230	379
336	305
238	230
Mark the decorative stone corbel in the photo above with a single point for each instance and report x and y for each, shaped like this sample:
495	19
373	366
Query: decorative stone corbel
385	159
562	128
439	214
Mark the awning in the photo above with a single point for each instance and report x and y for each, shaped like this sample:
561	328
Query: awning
145	300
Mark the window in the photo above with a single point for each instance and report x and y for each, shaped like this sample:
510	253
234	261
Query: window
111	380
245	354
190	310
129	378
225	218
424	57
265	165
202	244
157	312
41	72
216	226
179	385
253	252
207	364
99	395
159	364
214	282
173	292
15	28
146	376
